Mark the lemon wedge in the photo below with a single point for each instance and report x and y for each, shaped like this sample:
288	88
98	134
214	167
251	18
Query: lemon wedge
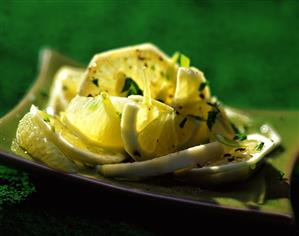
118	72
69	144
96	119
65	86
34	139
148	130
191	87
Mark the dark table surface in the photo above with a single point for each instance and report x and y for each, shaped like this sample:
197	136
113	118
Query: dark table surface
249	51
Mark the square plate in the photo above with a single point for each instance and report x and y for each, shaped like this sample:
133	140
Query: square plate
263	197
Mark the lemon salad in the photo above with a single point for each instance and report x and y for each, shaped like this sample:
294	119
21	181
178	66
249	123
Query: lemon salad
135	112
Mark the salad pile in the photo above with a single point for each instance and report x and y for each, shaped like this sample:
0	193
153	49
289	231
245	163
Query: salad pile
135	112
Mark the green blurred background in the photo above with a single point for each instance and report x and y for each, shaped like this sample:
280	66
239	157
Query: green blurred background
249	50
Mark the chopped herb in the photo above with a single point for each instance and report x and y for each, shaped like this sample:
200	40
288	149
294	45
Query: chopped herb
214	105
227	155
175	57
89	95
131	87
44	94
183	122
212	115
153	67
184	60
160	100
64	88
240	136
136	153
93	106
240	149
260	146
119	114
47	119
202	96
226	141
53	129
203	85
234	127
231	158
199	118
281	176
95	82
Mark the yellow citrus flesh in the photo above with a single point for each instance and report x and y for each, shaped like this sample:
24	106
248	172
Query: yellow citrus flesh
191	87
66	83
108	72
97	119
73	146
148	128
31	137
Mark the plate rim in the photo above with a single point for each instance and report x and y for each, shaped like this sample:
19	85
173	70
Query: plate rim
15	161
18	162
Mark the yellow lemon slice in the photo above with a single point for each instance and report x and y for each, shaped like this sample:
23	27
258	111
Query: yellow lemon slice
97	119
33	138
119	72
147	129
65	86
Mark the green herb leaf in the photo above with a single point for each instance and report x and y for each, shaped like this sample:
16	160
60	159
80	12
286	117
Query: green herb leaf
183	122
95	81
199	118
281	176
175	57
240	136
235	128
131	87
212	115
47	119
43	94
260	146
203	85
184	60
119	114
228	142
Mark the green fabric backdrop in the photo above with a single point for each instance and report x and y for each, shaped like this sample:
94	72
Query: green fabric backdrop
249	50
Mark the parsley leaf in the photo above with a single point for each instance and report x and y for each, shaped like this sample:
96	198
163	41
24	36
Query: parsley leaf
183	122
184	60
203	85
175	57
131	87
212	115
119	114
260	146
47	119
240	136
232	143
95	81
281	176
